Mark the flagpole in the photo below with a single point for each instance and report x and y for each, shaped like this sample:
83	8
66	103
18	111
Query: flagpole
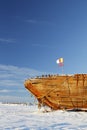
60	62
62	69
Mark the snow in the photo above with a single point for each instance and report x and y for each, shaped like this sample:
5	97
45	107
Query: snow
25	117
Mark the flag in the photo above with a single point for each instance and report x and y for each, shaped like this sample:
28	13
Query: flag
60	61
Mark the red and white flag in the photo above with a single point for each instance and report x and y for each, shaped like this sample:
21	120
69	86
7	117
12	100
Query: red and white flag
60	61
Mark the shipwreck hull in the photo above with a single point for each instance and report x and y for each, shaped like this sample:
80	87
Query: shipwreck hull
60	91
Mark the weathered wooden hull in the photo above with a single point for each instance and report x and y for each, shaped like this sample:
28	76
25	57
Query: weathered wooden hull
61	91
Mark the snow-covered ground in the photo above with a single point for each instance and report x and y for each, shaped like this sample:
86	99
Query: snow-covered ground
25	117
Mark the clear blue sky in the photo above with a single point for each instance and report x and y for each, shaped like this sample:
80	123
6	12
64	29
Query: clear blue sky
34	33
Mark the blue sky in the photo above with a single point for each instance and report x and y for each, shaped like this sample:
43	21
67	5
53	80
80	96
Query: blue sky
33	34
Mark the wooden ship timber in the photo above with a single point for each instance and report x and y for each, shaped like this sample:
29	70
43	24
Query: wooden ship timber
60	91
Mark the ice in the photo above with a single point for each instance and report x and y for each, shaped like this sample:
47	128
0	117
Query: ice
25	117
